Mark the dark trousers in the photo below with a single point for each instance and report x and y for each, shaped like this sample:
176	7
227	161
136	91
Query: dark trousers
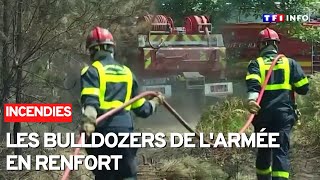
273	163
127	166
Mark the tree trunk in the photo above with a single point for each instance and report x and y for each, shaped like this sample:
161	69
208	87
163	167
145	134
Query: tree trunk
5	127
17	125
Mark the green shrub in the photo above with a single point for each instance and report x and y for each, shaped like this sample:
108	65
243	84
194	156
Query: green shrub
223	117
309	106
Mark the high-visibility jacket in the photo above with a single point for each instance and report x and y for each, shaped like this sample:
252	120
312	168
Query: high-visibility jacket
287	76
106	85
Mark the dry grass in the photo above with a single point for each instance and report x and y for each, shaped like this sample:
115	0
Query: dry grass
189	167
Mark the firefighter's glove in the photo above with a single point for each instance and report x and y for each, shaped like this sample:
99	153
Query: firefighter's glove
156	101
88	121
253	107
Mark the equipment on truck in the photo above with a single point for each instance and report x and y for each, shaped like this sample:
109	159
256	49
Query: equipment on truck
187	60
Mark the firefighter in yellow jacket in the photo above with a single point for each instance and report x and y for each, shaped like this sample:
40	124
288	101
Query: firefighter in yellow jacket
105	85
276	111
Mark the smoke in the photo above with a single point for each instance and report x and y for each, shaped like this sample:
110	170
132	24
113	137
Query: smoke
188	103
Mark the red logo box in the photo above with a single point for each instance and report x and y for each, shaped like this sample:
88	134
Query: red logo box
52	113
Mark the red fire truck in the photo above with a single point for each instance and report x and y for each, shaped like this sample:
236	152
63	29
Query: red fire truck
191	62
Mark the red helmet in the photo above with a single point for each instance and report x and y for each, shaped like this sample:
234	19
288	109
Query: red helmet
99	36
268	35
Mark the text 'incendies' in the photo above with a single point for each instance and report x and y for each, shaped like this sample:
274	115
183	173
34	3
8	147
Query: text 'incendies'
55	113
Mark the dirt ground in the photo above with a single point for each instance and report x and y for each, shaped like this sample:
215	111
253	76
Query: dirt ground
164	122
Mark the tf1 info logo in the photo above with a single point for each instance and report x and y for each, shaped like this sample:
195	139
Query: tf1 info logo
284	18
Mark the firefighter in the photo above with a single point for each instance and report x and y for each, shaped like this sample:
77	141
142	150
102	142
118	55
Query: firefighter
105	85
276	111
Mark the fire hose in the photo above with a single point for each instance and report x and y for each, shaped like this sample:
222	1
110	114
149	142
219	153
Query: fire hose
173	112
263	87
